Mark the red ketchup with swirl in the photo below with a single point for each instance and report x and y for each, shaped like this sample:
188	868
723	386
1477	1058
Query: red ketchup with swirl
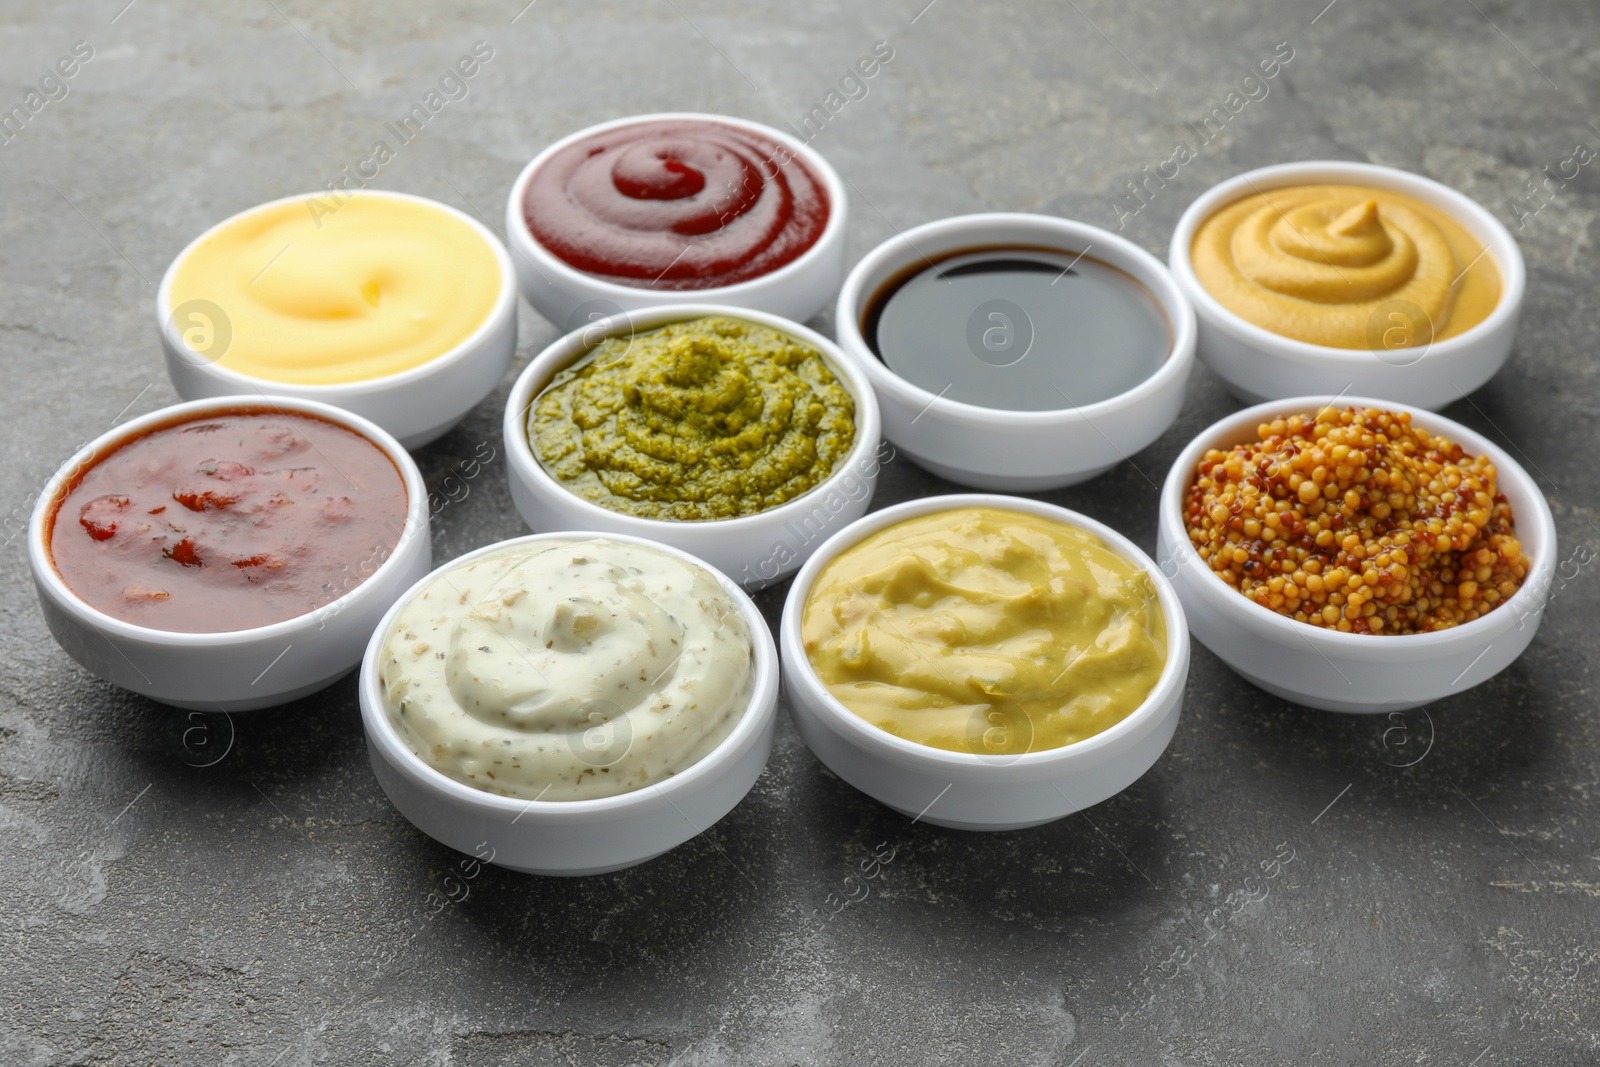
676	204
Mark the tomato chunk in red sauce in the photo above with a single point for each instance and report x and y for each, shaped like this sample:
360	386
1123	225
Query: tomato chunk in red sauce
228	522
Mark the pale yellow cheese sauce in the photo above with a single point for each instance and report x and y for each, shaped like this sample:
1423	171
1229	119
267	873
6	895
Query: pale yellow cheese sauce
314	292
986	630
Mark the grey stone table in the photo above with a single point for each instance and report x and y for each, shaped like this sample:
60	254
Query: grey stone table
1424	890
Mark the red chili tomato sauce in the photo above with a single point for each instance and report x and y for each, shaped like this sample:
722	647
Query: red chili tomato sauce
676	204
227	522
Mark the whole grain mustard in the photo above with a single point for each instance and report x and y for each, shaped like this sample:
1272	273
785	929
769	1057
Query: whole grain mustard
1355	520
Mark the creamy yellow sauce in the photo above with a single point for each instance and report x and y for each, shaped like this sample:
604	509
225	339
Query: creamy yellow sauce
312	293
567	670
987	631
1346	266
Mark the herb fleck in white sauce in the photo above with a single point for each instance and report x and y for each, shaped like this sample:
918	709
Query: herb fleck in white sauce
567	670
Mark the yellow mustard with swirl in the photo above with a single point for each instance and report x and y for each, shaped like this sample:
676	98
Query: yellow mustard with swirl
1346	266
710	418
296	292
986	630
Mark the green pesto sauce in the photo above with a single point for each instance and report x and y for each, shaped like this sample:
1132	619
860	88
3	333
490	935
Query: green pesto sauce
713	418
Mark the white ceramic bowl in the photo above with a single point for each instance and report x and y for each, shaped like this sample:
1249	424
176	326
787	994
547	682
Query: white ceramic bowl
1354	672
575	837
416	405
1260	365
989	448
243	669
570	298
964	790
756	550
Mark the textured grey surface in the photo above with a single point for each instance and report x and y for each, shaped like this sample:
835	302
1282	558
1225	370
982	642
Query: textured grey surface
273	909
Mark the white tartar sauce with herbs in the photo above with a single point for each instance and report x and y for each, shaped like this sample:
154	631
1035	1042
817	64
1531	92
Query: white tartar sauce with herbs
567	670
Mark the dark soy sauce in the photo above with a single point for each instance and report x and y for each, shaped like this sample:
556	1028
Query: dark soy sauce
1019	329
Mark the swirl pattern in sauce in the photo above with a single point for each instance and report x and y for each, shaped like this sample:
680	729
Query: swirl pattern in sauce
676	204
567	670
1327	264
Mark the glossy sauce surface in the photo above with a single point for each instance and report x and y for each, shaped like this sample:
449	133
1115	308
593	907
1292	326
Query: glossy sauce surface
1019	329
676	204
318	292
228	522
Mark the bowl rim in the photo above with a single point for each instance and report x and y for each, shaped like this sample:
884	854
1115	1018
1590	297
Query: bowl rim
42	563
503	308
1170	684
530	248
900	251
762	704
577	343
1476	219
1220	594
